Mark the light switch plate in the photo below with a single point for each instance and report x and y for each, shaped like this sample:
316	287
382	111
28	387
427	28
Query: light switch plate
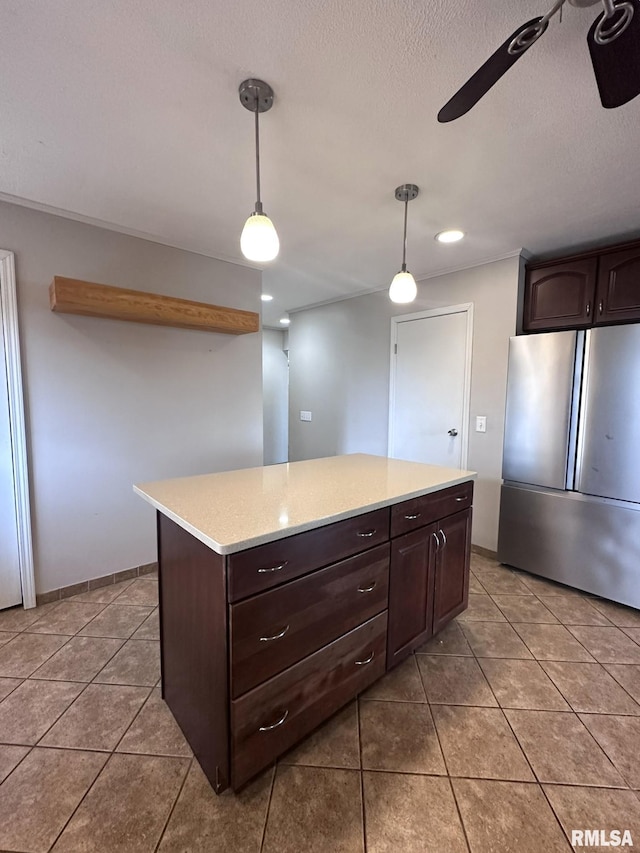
481	423
305	416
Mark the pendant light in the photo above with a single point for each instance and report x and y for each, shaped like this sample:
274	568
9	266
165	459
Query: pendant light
403	287
259	240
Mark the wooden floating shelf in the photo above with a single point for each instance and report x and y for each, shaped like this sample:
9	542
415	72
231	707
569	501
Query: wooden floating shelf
71	296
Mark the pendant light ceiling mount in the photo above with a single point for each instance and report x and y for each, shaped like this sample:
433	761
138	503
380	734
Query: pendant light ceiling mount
259	240
407	192
256	95
403	287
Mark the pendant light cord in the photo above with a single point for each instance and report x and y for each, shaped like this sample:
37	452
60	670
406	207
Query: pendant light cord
258	201
404	244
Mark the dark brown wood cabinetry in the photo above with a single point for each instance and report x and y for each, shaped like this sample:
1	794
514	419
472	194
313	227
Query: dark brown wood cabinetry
618	294
560	296
410	593
429	571
451	576
595	288
260	646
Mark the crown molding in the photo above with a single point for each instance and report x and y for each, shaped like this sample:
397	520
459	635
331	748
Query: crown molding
121	229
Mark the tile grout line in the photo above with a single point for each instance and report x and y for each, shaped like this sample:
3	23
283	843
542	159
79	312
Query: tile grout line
363	815
268	809
175	802
135	716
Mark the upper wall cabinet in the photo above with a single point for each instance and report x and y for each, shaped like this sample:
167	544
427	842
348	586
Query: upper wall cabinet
619	287
597	288
560	296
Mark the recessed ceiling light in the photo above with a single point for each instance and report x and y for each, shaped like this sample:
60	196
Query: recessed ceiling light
451	236
266	297
285	321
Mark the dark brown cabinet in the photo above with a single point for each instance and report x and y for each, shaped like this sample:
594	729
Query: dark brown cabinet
260	646
618	293
600	287
560	296
451	575
429	569
410	592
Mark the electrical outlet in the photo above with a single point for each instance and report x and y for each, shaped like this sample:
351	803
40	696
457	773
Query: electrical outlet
305	416
481	423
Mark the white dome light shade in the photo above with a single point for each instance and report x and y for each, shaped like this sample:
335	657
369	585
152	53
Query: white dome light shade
451	236
259	240
403	288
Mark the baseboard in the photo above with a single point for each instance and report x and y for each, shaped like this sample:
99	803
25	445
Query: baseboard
484	552
95	583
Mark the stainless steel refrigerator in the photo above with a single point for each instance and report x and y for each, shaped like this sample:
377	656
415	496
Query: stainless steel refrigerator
570	500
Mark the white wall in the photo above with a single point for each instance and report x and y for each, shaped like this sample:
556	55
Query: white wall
339	370
275	396
110	403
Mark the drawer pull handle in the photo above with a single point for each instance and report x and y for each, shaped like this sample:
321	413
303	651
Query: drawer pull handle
411	517
367	533
275	636
275	725
367	660
371	586
273	568
459	500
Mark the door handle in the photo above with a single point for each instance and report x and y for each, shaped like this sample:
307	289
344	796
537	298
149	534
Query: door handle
453	432
435	536
276	724
275	636
273	568
369	588
444	538
366	660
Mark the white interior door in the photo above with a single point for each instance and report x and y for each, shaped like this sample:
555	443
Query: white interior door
430	386
10	588
17	583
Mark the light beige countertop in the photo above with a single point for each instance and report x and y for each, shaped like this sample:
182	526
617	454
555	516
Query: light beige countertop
234	510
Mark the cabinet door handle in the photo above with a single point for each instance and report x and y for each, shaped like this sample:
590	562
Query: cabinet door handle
275	636
366	661
444	538
367	533
435	536
273	568
601	306
459	500
276	724
411	517
371	586
588	308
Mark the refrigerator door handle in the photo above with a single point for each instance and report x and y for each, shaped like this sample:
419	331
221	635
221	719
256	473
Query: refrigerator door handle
582	413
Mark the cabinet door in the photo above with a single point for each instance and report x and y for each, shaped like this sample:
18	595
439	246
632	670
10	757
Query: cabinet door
618	294
560	296
410	593
451	588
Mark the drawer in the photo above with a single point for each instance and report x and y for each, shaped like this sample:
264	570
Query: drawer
415	513
265	566
270	719
275	629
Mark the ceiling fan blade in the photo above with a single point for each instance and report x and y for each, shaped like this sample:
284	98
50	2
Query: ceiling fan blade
615	54
488	74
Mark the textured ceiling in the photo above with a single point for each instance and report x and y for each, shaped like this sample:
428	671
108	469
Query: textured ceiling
128	113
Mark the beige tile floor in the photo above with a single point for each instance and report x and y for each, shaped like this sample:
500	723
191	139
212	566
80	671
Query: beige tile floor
517	724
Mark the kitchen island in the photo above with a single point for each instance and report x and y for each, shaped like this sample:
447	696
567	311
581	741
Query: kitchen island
287	590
